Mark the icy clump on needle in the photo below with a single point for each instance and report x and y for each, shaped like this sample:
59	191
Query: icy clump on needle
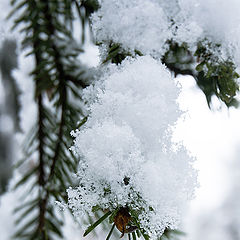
125	148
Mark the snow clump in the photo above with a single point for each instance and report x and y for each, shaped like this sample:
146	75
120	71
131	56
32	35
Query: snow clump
149	26
130	24
127	158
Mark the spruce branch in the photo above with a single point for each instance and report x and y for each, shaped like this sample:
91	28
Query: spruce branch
56	66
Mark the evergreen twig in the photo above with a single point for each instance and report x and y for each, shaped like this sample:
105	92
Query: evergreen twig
55	66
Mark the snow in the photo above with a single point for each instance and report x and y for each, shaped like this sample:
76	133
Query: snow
137	24
128	136
132	113
147	25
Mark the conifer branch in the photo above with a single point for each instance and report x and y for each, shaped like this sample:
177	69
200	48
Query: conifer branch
62	82
54	161
41	174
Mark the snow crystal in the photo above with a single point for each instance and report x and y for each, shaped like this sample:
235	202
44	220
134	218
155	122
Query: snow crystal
125	147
